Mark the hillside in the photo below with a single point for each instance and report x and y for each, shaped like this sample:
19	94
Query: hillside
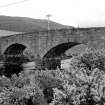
23	24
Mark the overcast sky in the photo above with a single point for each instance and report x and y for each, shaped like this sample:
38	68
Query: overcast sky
85	13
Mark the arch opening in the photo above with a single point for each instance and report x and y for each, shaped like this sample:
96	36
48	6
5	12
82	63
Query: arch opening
14	49
13	59
53	57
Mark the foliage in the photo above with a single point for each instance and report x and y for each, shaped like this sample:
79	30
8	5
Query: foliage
28	55
28	86
89	60
85	81
22	91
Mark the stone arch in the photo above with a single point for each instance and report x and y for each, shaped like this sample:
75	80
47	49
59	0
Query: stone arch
59	49
14	49
13	58
56	53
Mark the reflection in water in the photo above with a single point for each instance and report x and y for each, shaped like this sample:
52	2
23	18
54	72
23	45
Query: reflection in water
12	69
13	65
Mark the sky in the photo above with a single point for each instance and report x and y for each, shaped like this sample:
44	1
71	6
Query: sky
77	13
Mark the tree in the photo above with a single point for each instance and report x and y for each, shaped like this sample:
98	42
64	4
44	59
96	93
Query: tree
28	55
85	83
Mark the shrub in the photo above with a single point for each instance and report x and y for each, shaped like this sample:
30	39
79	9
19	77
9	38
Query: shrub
28	55
85	81
89	60
29	87
21	96
22	91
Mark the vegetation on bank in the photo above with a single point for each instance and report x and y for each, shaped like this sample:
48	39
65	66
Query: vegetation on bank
83	83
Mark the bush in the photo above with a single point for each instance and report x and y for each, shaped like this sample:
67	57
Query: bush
22	90
28	55
29	88
85	81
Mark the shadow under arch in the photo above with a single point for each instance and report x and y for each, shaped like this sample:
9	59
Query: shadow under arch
15	48
13	59
53	57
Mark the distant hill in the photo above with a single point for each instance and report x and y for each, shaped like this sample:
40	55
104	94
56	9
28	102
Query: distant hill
23	24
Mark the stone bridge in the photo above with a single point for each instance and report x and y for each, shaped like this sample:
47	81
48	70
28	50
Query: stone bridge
49	43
